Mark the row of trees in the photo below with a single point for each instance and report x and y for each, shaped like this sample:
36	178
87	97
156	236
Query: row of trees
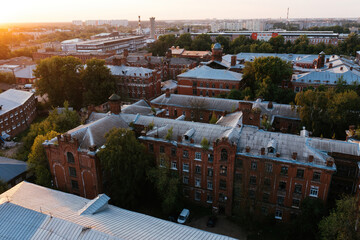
66	79
244	44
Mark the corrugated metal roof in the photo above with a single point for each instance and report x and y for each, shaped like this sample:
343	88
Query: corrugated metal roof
26	72
56	213
205	72
13	98
11	168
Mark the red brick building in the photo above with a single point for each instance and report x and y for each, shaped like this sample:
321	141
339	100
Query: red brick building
137	82
17	111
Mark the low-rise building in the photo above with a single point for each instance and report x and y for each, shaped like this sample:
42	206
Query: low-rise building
13	171
17	111
43	213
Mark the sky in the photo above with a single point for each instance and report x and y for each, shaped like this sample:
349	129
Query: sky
15	11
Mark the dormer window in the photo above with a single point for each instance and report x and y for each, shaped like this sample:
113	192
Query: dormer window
272	145
224	155
189	134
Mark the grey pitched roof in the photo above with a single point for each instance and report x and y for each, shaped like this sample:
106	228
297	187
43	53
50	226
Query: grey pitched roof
26	72
140	107
29	211
278	110
169	84
11	168
231	120
205	72
182	61
129	71
13	98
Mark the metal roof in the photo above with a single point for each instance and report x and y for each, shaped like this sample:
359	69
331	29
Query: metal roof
13	98
11	168
205	72
29	211
129	71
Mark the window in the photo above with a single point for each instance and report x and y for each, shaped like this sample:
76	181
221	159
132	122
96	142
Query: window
223	170
224	155
300	173
209	198
210	172
198	169
198	156
238	162
295	203
278	214
253	180
280	200
264	210
162	162
282	186
194	92
186	180
297	188
238	177
210	185
194	84
314	191
284	171
222	184
221	86
70	157
266	197
151	147
268	167
72	172
185	167
173	151
197	196
186	154
267	182
210	158
197	182
316	176
251	194
173	165
213	85
74	184
162	149
253	165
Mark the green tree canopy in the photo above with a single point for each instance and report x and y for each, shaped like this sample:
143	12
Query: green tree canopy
201	42
4	51
184	41
225	43
38	162
125	163
98	82
340	224
59	78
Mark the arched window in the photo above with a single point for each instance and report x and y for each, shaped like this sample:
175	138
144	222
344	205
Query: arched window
70	157
224	155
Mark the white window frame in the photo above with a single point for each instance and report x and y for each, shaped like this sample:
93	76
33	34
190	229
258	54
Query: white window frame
278	214
314	189
210	185
198	156
185	169
197	182
187	180
174	165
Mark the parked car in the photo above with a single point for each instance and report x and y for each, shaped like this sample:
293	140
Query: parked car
211	221
184	215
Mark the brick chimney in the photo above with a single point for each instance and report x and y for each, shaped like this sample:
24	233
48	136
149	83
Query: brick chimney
245	106
167	93
179	138
351	68
270	105
294	155
233	60
126	52
247	149
330	65
115	104
262	151
311	158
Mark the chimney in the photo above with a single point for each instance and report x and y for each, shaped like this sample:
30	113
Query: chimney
233	60
311	158
329	162
351	68
126	52
247	149
341	68
167	93
191	140
179	138
92	148
330	65
294	155
270	105
277	154
327	60
262	151
115	104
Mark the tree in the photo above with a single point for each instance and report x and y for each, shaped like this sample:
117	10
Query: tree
201	42
98	82
340	224
4	51
125	163
278	43
225	43
59	78
38	162
167	185
205	144
64	121
213	118
7	77
184	41
161	46
312	211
